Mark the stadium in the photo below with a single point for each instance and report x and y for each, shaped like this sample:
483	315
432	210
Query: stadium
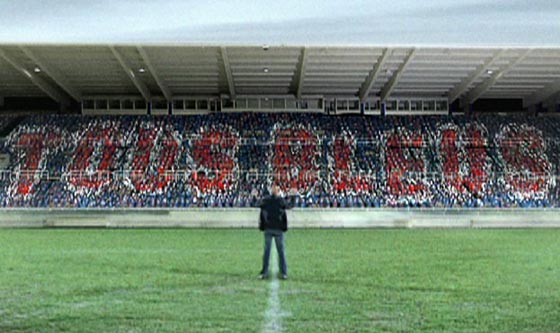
423	181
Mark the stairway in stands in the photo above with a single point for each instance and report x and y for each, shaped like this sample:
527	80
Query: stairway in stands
9	127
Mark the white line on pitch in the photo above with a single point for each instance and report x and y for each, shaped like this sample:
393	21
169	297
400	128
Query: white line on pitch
273	314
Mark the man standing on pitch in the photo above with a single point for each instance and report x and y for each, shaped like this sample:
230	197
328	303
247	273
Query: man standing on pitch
274	222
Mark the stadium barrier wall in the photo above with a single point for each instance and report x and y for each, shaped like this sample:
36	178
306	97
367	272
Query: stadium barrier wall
298	218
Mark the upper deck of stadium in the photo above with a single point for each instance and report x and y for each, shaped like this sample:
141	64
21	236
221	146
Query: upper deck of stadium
181	78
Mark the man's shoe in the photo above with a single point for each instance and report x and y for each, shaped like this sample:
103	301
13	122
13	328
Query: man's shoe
263	276
284	276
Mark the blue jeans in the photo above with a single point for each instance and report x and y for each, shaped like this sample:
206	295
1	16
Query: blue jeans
278	236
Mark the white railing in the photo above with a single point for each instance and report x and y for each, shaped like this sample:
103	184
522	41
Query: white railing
13	175
427	141
250	174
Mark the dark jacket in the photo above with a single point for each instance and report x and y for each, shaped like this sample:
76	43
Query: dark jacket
273	212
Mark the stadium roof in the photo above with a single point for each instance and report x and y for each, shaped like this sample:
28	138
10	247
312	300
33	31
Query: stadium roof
73	72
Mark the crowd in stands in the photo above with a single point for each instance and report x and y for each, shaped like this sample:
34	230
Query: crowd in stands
229	160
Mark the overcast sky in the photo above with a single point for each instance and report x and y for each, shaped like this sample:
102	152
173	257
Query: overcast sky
326	22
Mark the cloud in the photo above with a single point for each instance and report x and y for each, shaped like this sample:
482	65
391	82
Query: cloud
491	7
399	22
361	29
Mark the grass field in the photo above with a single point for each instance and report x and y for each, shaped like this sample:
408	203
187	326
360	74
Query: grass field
340	281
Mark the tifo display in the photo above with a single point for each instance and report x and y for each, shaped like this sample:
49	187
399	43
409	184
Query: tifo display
229	160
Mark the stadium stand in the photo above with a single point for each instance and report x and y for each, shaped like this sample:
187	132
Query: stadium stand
224	160
7	124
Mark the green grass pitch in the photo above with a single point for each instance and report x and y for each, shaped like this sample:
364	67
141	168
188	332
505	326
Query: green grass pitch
340	281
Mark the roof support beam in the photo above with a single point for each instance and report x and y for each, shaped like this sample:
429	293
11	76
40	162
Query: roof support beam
543	95
227	70
164	89
388	88
299	75
485	86
373	74
52	91
128	70
466	83
56	76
